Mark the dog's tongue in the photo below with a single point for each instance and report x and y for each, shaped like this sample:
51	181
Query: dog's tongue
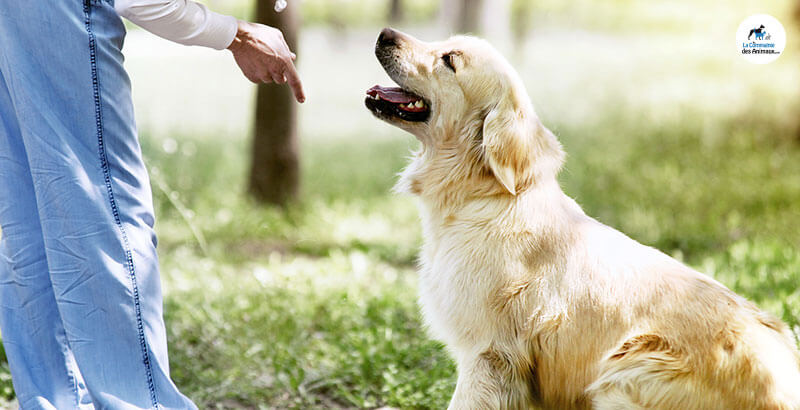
393	94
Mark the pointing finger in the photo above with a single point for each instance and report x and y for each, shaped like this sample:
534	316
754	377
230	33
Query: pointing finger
294	82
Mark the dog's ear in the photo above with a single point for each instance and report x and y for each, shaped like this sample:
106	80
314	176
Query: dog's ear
517	147
501	134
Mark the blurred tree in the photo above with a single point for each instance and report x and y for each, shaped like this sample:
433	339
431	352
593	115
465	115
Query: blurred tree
797	30
395	11
336	17
275	169
521	16
462	16
495	24
797	12
469	16
489	19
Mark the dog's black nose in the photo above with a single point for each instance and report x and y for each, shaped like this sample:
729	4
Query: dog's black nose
388	38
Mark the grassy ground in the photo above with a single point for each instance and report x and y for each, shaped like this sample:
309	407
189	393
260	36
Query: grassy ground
678	143
316	308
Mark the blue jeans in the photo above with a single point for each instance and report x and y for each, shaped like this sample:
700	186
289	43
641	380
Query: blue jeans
80	298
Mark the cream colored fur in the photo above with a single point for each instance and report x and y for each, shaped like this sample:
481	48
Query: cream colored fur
541	305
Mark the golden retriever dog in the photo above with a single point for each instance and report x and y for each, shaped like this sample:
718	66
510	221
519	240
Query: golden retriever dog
540	305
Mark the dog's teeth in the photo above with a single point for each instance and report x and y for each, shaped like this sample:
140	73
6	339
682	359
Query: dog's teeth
419	104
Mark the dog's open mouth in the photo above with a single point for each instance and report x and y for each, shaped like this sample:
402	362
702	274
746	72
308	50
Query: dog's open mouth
394	102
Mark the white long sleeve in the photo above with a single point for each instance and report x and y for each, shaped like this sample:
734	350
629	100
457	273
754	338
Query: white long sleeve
182	21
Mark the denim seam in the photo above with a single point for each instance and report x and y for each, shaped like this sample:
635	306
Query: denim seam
107	177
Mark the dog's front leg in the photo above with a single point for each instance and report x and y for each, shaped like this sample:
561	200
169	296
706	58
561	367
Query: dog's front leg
489	380
477	387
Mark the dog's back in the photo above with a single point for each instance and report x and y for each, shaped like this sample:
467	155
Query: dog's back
592	318
689	342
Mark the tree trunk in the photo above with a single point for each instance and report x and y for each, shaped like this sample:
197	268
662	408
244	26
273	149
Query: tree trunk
275	168
495	24
460	16
521	16
469	16
490	19
797	12
395	11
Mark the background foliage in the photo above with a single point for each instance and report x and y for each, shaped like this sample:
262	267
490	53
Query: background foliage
672	138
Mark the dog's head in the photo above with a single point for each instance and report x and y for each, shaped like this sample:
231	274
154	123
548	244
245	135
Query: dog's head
469	108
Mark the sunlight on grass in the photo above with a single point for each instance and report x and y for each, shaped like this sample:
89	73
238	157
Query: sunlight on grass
303	332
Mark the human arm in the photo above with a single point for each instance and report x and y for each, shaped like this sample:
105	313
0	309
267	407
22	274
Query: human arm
260	51
182	21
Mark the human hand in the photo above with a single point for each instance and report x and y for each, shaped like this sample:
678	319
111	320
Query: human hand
264	57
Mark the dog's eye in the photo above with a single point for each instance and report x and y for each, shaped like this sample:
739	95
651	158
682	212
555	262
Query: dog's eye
448	61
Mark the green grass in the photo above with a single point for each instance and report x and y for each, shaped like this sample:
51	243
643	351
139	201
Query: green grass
316	307
280	336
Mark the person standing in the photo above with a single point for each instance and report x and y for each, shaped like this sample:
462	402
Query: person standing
80	297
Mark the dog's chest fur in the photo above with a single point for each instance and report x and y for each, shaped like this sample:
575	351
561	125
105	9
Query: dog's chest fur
488	290
473	274
457	283
497	282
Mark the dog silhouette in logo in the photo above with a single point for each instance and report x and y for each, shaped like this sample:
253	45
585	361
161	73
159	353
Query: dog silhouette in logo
759	32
